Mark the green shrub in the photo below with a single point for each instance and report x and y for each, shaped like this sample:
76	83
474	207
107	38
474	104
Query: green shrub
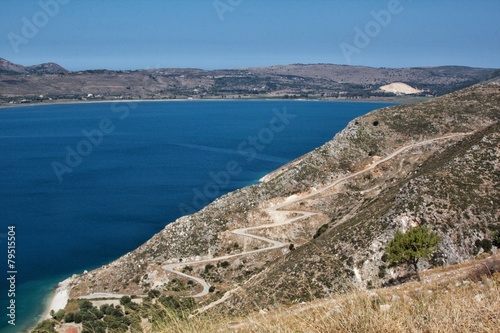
59	315
86	305
320	231
381	272
153	293
496	238
46	326
125	300
187	269
486	245
78	318
69	317
93	326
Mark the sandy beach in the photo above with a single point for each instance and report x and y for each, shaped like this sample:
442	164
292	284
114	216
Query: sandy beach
59	299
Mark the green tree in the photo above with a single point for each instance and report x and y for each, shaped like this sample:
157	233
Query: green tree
69	317
125	300
486	245
59	315
408	248
496	239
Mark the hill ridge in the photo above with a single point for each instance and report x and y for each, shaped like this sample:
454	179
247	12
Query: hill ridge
49	83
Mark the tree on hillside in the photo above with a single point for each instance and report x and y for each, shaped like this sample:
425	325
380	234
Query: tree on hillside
496	239
408	248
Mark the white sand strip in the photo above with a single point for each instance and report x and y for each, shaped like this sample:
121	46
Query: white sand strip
60	298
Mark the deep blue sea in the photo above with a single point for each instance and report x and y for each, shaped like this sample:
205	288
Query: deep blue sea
85	183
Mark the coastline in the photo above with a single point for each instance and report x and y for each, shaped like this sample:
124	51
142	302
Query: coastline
60	295
408	100
56	301
70	102
59	298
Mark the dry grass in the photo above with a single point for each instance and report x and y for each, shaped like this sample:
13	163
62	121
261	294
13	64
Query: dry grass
452	306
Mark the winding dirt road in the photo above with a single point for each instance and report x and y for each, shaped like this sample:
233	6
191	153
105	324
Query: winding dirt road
280	216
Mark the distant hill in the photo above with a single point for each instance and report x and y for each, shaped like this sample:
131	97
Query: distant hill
7	67
47	68
51	82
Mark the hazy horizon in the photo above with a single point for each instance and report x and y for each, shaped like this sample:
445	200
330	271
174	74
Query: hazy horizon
250	67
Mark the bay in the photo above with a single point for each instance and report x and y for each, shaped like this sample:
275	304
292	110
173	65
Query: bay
86	183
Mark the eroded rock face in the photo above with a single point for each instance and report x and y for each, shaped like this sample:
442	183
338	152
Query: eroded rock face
400	88
450	184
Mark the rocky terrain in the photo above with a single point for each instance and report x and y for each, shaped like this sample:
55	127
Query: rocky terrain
400	88
50	82
320	224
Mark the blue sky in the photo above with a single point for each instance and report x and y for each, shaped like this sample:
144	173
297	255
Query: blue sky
210	34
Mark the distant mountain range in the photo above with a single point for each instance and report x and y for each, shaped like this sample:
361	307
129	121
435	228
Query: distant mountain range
50	82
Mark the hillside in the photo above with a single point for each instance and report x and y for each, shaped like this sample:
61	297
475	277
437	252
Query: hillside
319	225
50	82
8	68
455	298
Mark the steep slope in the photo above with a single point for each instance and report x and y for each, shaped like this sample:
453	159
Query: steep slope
455	192
434	163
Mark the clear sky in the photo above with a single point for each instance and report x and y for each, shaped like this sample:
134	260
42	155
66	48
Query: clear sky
210	34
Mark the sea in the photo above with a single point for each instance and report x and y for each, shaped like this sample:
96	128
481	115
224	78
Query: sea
83	184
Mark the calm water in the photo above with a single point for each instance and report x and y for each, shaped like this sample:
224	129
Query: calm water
86	183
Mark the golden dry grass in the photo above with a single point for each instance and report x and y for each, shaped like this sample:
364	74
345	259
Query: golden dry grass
454	306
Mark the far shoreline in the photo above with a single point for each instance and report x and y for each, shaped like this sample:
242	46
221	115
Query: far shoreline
396	100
